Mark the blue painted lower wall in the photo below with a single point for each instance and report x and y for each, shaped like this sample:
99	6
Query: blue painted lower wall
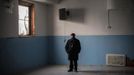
94	48
22	54
19	54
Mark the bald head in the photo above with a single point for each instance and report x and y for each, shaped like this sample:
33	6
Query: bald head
72	34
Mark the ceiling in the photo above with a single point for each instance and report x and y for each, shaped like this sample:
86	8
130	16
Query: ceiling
49	1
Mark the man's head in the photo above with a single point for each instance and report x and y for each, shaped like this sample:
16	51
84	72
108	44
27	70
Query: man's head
73	34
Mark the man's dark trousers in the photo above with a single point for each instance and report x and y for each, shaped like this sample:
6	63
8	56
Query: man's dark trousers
73	65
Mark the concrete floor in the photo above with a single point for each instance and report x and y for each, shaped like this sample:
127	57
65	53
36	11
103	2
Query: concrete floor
83	70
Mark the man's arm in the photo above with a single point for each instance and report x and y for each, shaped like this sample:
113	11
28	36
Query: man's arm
67	47
79	46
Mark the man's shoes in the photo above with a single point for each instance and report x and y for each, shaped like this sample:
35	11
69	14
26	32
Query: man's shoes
70	70
75	70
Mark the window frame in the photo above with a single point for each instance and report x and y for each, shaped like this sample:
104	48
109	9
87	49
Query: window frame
31	9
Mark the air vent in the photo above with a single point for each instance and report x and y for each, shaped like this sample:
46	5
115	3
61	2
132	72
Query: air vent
116	59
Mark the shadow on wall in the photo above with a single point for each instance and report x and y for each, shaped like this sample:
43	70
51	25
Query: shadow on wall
130	62
77	15
22	54
50	20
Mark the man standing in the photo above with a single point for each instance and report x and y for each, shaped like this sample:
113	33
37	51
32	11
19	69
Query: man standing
73	48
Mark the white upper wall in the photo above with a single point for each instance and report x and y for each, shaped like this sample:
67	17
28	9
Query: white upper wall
40	19
89	17
8	20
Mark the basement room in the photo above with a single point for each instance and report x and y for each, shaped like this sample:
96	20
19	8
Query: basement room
66	37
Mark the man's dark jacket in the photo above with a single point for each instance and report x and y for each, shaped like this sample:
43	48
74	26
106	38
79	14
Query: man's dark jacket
73	48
